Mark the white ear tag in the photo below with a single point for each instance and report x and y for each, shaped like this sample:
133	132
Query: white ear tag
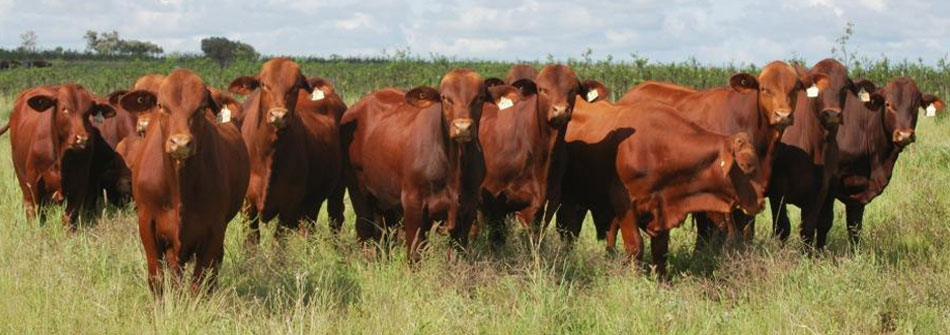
224	115
592	95
99	119
812	91
504	103
864	95
931	110
317	95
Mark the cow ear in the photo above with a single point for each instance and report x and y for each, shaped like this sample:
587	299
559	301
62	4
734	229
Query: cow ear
867	85
422	96
113	97
818	80
304	84
744	83
526	86
504	96
875	101
213	103
928	99
138	101
41	103
593	91
244	85
321	84
106	110
491	82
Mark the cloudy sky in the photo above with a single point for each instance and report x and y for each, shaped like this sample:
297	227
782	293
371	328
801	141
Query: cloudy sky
715	32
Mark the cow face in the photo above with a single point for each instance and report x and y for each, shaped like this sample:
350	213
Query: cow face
777	87
738	163
558	86
280	81
461	96
182	101
831	98
902	101
149	83
72	107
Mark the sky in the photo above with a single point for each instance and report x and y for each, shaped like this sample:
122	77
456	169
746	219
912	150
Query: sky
713	32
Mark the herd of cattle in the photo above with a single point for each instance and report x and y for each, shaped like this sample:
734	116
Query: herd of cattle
539	145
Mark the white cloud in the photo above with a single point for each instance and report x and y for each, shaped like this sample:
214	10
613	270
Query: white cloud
359	20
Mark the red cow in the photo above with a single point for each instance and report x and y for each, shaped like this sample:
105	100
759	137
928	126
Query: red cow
520	141
416	154
806	159
57	154
519	72
291	132
189	180
659	167
762	107
871	139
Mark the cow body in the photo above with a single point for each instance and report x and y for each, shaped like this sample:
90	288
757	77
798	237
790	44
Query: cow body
296	160
654	182
57	154
189	180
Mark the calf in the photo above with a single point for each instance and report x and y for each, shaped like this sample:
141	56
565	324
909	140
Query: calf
57	154
760	106
661	167
416	153
807	157
870	139
520	144
292	136
189	180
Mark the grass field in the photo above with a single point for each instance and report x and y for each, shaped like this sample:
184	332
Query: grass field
93	280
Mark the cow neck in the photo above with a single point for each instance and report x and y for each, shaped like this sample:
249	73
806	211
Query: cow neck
188	185
458	154
879	151
765	138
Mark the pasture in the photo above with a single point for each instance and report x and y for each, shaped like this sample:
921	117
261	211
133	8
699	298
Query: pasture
94	280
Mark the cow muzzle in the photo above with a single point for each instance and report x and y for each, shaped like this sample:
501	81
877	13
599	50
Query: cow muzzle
180	146
79	142
903	138
558	116
830	118
782	119
461	130
277	117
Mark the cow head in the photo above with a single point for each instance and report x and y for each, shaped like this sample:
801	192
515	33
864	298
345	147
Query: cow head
280	81
71	107
738	162
151	83
777	87
520	72
901	102
462	94
558	86
181	103
832	96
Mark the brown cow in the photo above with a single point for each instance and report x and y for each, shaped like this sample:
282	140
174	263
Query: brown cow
189	178
659	167
417	153
870	141
293	139
57	154
806	159
520	142
519	72
760	106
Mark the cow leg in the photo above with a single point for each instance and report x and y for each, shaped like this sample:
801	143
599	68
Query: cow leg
567	223
530	217
253	225
808	228
630	232
781	226
208	261
826	219
659	247
335	209
706	232
154	252
855	217
412	221
744	224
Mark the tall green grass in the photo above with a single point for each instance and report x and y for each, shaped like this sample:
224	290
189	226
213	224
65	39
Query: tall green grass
93	280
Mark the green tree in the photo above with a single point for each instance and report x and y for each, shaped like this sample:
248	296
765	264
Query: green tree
28	43
109	43
223	50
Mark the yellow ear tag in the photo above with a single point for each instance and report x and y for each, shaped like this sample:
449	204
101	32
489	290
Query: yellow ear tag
931	110
504	103
812	91
592	95
864	95
317	95
224	115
